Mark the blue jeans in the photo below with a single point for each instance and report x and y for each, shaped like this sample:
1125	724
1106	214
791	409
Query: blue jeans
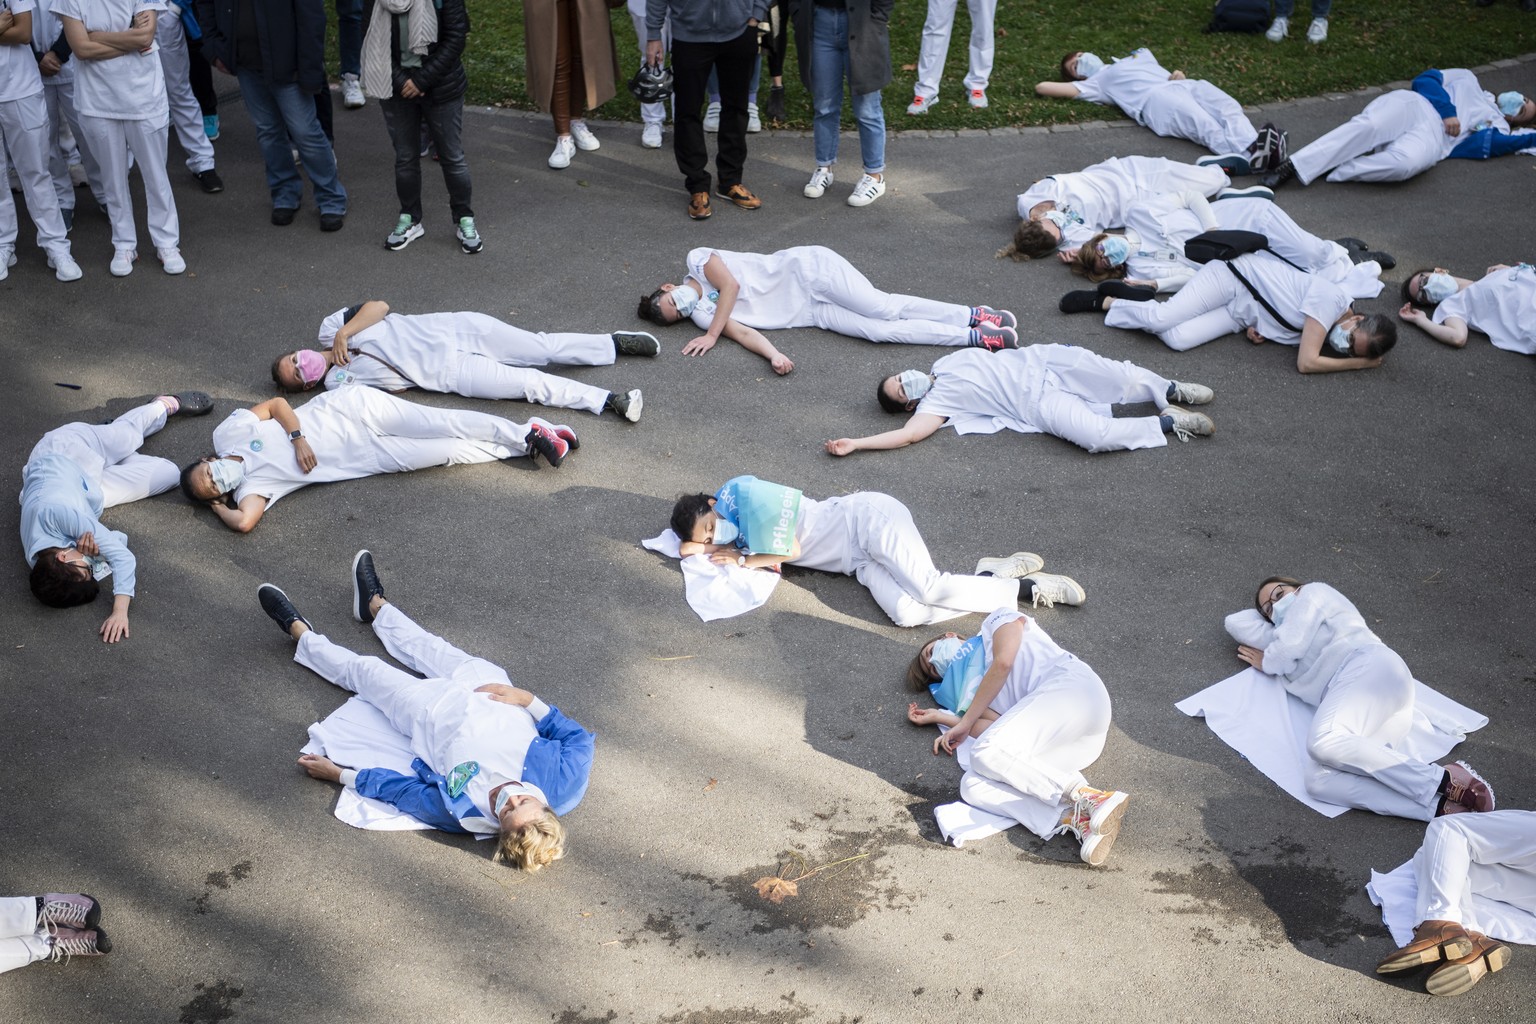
829	69
349	35
285	112
444	123
1320	8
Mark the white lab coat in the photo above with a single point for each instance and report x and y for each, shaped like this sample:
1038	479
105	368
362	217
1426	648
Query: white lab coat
1190	109
1502	305
1097	197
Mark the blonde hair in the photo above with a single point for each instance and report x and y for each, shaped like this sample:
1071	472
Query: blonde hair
535	845
1086	264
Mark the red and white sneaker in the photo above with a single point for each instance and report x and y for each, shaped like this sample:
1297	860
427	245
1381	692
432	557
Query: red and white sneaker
567	435
542	440
978	99
1095	820
920	104
992	317
994	339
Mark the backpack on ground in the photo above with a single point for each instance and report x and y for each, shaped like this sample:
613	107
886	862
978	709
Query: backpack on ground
1239	16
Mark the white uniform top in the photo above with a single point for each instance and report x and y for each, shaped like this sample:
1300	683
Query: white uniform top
1501	305
130	87
19	77
1296	295
1322	628
1039	657
825	539
1097	197
777	288
45	31
406	351
1126	83
463	725
1000	391
332	423
1475	106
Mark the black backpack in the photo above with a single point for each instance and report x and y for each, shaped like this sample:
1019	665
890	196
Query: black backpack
1239	16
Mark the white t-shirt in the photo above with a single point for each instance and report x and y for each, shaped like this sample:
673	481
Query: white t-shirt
824	536
1296	295
997	391
129	87
333	425
412	350
777	289
1475	106
1126	83
1501	305
463	725
19	77
1039	657
46	29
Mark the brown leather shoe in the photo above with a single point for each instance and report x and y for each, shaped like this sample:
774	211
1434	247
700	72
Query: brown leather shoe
741	196
698	206
1433	941
1458	975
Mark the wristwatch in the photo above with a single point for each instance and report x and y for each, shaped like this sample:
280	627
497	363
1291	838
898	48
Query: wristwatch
295	435
741	561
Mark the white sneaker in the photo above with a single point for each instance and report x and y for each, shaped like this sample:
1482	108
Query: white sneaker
565	148
1278	29
978	99
1095	819
920	104
1188	424
585	140
1190	394
1052	589
817	186
1317	32
712	117
122	262
1014	567
754	121
171	260
64	267
77	175
352	92
7	261
650	136
867	190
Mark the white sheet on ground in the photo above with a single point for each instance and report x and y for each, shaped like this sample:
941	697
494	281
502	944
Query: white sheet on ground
358	735
1254	715
1397	892
716	591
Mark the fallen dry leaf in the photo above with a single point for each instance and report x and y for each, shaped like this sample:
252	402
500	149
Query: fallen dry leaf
711	785
775	889
909	67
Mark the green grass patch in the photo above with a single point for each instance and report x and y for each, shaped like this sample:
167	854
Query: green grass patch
1370	42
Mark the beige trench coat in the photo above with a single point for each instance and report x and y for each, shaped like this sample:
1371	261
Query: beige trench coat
594	36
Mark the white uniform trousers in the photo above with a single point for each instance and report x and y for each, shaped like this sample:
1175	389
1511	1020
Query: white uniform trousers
516	347
891	559
847	303
110	453
1203	310
402	697
21	941
1492	855
186	113
483	377
112	140
1319	256
1367	707
650	113
1196	110
408	436
1078	379
60	100
1394	138
935	45
1027	763
24	131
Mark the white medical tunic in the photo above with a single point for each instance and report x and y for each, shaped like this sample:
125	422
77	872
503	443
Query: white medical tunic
1126	83
982	392
130	87
19	77
333	423
778	289
1502	305
1096	198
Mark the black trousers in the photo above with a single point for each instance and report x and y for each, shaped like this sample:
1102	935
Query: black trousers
732	61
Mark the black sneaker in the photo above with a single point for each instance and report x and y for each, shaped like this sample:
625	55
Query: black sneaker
1081	302
1353	244
1279	176
635	343
193	403
365	586
1386	259
210	181
278	608
626	403
1130	292
282	216
332	221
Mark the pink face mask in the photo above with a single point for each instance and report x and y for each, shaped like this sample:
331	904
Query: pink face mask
312	365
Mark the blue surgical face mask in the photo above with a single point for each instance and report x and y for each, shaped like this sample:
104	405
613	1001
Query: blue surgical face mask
1115	249
1089	64
1279	608
943	653
685	297
915	384
1338	339
725	531
226	474
1510	103
1437	287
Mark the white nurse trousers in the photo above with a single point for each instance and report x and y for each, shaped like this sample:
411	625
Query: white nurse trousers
60	100
1199	312
111	140
845	302
408	436
1394	138
1077	379
24	131
1196	110
483	377
186	113
935	45
110	453
21	941
1492	855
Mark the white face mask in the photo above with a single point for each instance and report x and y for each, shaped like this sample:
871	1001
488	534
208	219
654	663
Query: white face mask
1089	64
915	384
943	653
1437	287
513	789
1278	609
226	474
1339	340
685	297
725	531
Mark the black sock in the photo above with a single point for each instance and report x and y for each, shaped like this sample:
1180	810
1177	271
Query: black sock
1166	422
1026	590
608	403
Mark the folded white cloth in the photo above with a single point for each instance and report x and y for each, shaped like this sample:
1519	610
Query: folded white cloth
960	822
1397	895
1254	715
716	591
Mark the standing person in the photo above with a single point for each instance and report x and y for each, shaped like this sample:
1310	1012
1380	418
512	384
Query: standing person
935	49
275	48
57	67
54	926
1314	642
186	113
652	115
490	759
412	66
838	40
349	52
75	473
1317	32
1502	305
24	131
572	67
720	36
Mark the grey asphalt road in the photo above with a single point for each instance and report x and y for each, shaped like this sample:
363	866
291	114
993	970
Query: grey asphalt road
159	773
